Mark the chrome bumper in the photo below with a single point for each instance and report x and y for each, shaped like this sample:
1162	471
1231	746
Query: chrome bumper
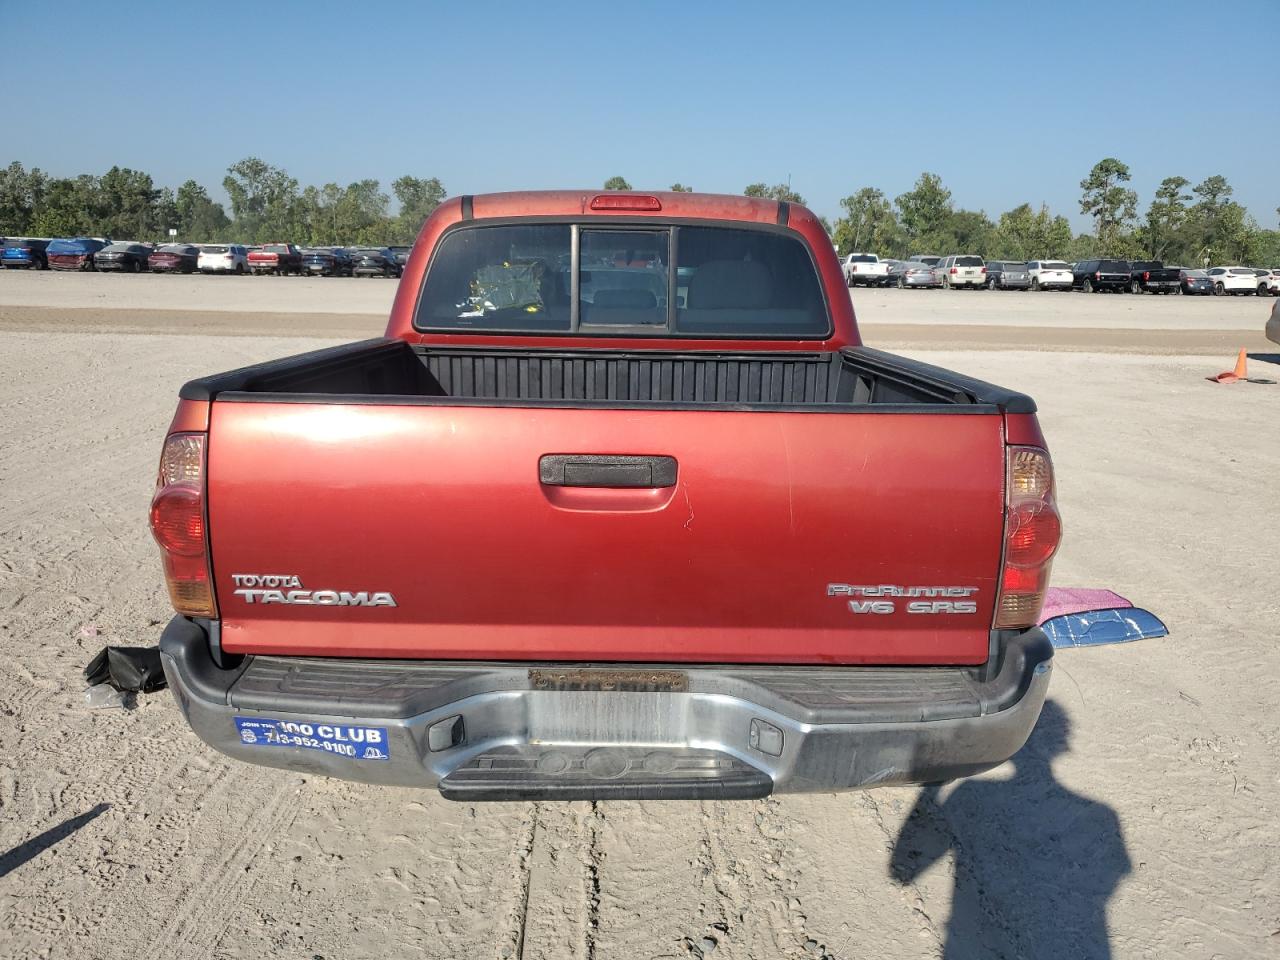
504	731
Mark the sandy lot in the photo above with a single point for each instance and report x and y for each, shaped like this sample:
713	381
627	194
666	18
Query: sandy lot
48	302
1141	817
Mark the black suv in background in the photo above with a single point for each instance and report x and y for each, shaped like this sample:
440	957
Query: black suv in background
1093	276
402	255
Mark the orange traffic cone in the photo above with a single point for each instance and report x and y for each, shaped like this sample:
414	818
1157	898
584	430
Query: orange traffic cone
1241	372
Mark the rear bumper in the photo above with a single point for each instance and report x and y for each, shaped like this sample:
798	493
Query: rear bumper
489	731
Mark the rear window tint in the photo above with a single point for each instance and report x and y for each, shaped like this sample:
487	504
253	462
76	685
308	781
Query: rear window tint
1114	266
1054	265
968	261
520	278
215	249
861	258
499	278
747	283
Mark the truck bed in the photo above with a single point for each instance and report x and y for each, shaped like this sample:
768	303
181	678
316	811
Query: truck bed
382	370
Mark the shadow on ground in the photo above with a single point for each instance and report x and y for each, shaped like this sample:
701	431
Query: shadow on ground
38	844
1035	863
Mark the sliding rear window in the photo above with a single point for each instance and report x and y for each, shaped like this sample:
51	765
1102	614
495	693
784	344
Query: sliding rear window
602	279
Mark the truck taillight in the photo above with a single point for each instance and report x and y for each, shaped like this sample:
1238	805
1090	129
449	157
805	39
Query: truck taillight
1146	274
1033	531
178	525
954	270
1097	275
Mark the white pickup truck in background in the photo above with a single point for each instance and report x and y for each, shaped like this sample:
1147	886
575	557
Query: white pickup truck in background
864	268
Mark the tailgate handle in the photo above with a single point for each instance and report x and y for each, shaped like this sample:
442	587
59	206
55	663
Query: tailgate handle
603	470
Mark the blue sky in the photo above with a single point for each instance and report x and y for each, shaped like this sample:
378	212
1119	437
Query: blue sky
1008	104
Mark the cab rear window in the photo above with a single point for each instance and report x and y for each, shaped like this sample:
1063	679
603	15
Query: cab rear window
601	279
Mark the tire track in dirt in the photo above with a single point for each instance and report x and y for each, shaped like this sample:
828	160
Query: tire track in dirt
195	929
561	915
510	943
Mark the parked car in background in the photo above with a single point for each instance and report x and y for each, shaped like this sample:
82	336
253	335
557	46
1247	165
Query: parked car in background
278	258
1194	282
223	258
926	258
1229	281
1273	324
23	253
1049	274
962	270
122	257
913	273
864	269
75	253
402	254
175	258
1007	275
1269	282
326	262
1096	276
1152	276
374	262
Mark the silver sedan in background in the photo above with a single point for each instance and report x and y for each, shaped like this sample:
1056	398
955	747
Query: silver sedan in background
913	273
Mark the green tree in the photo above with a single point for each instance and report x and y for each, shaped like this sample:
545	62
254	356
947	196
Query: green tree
1024	234
418	198
70	208
616	183
196	217
924	212
127	202
781	192
1163	233
21	195
1219	227
362	213
972	231
1112	205
868	224
264	201
680	188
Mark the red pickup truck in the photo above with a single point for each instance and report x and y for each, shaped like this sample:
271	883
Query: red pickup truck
281	259
619	507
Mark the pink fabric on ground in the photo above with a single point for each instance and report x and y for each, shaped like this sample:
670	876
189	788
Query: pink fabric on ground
1064	600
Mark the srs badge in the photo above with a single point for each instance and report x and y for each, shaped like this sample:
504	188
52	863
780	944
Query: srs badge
882	599
287	588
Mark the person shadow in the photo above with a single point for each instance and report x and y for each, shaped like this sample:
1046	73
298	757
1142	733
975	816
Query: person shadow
1035	863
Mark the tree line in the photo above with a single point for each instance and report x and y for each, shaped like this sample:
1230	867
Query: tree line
266	205
1183	224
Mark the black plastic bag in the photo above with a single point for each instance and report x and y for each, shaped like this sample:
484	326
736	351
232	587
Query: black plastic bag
135	669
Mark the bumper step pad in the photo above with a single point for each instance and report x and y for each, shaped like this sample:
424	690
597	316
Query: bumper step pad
538	772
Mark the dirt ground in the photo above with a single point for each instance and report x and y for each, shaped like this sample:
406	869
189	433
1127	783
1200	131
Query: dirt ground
1141	820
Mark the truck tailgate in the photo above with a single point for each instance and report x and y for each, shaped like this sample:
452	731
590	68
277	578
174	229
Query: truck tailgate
317	510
